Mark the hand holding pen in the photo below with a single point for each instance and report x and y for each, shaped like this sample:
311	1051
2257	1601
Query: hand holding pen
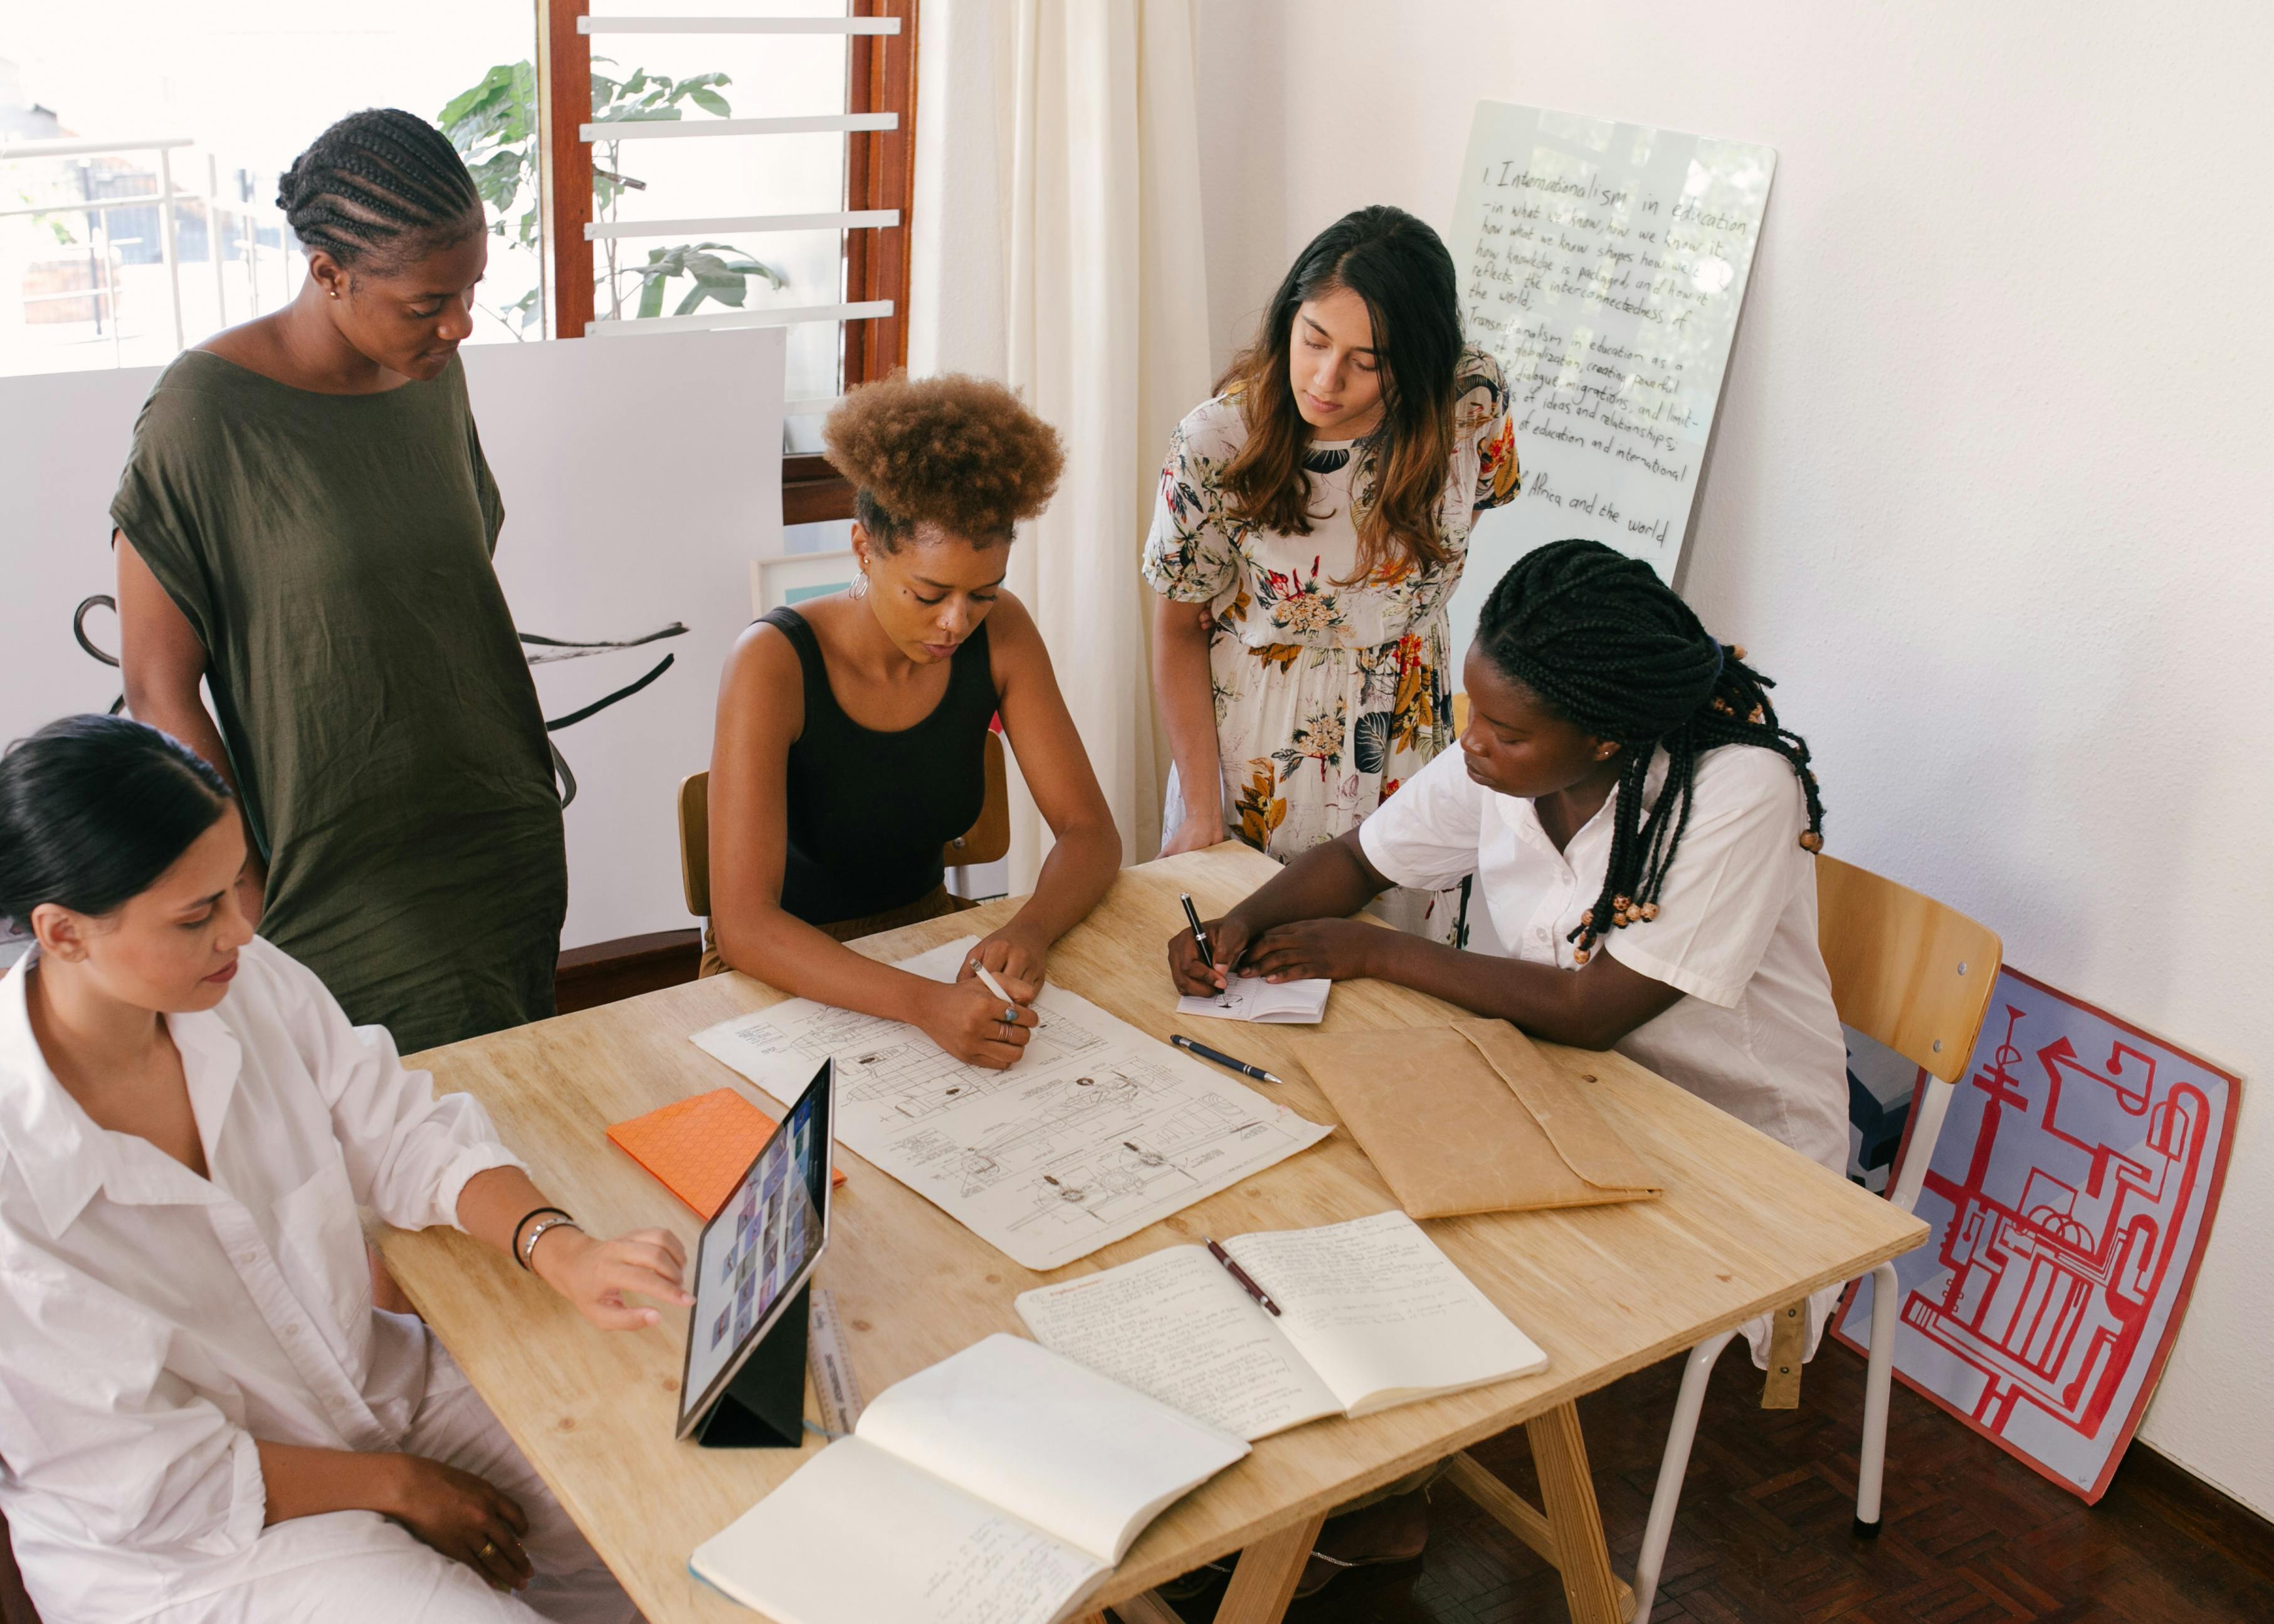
1202	957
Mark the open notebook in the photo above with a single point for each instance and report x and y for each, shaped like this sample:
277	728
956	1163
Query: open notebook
1372	1314
1251	999
1001	1484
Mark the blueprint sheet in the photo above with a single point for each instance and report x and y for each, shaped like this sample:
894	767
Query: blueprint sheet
1097	1131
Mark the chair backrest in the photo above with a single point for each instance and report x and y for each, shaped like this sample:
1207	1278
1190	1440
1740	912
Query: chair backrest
986	841
694	842
1906	971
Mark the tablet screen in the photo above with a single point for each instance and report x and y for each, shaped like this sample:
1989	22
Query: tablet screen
759	1250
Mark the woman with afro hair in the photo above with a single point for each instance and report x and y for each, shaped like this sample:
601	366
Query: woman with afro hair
852	730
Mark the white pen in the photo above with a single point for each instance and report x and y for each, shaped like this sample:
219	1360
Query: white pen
995	987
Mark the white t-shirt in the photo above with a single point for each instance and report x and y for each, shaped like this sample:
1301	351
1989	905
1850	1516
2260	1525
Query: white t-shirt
1735	928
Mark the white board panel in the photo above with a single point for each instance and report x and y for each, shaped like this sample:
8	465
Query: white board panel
1604	265
640	480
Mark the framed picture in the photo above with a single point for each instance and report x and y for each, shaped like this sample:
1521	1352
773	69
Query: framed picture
786	583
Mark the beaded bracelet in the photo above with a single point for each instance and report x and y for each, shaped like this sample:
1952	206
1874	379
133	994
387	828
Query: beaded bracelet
520	1254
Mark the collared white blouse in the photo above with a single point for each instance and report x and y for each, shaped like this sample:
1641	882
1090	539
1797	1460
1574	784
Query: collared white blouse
153	1324
1736	926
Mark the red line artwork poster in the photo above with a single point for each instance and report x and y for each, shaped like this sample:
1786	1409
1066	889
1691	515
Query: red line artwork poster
2071	1192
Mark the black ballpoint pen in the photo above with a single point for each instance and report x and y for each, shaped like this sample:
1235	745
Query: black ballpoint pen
1200	941
1222	1059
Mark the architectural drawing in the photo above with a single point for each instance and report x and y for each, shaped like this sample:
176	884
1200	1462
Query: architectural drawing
2071	1189
1096	1132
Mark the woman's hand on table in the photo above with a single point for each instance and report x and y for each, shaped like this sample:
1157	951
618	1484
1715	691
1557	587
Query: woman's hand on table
1194	976
1013	956
596	1275
1196	833
972	1023
1338	950
463	1516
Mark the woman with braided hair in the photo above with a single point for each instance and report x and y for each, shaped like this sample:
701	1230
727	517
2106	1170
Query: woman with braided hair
306	526
1638	826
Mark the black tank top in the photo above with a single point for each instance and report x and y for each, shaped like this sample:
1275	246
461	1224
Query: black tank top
870	811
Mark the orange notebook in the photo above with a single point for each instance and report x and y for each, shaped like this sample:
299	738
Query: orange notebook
697	1148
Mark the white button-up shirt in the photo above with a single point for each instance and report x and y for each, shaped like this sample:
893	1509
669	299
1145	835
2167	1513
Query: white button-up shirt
153	1324
1736	927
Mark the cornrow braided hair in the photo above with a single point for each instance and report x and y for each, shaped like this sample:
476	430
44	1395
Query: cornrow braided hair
1604	642
375	182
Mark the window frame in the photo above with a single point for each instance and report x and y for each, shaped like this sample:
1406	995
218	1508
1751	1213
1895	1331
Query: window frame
879	173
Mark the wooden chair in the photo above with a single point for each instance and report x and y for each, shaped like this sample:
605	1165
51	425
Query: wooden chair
1916	976
986	841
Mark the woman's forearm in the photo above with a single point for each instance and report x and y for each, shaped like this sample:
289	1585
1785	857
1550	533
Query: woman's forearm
1185	687
784	953
302	1482
1079	871
1332	881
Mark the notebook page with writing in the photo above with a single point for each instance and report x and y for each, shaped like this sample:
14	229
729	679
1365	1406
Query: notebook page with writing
856	1536
1381	1313
1175	1326
1251	999
1071	1451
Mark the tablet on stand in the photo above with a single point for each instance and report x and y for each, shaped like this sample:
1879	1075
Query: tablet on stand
743	1386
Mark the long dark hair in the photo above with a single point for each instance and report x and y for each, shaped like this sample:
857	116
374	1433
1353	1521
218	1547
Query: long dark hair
1399	267
1611	648
93	809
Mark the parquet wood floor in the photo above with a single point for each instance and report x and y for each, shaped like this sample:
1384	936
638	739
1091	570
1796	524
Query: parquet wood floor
1971	1536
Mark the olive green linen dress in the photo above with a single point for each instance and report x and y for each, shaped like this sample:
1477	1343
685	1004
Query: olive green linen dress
333	552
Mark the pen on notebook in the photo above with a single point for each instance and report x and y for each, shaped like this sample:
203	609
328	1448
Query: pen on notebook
1220	1059
1240	1275
1200	941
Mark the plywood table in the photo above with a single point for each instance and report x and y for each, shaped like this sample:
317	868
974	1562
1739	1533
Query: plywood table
1745	1225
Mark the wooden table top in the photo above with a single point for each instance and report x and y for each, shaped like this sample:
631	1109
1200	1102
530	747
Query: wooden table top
1745	1225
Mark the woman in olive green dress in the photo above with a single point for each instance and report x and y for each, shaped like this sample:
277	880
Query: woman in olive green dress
305	524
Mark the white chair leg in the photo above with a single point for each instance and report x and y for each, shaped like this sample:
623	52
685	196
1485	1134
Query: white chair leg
1671	1466
1878	1374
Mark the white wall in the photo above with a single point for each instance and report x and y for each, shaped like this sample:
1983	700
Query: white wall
1991	493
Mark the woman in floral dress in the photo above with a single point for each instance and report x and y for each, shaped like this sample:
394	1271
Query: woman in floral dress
1313	519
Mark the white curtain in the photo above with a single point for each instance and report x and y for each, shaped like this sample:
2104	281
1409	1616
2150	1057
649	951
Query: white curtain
1057	246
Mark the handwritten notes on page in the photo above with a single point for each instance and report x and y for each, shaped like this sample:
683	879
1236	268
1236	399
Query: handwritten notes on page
1096	1131
1604	265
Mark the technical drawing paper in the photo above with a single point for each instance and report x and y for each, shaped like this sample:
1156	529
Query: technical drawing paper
1251	999
1097	1131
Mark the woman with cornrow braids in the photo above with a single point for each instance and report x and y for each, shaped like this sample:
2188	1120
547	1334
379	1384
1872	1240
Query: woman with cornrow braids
1638	826
306	526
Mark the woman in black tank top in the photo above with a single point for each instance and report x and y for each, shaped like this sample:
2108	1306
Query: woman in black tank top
851	741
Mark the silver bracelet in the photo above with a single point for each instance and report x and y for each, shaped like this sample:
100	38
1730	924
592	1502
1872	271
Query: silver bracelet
536	1232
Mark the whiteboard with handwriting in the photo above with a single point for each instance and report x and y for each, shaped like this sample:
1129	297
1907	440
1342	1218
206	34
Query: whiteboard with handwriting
1604	265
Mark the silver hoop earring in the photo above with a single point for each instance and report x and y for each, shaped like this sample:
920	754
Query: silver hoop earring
860	587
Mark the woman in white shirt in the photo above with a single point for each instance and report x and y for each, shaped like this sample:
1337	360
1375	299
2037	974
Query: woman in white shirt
1638	829
202	1416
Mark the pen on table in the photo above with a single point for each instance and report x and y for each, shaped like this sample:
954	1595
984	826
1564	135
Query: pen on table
1242	1276
1200	941
1220	1059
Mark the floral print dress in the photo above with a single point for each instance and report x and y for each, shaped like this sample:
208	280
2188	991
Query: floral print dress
1329	692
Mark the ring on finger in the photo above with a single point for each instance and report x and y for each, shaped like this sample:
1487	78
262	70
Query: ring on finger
489	1549
1010	1016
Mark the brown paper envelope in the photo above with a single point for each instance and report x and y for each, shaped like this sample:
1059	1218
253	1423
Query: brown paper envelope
1470	1117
